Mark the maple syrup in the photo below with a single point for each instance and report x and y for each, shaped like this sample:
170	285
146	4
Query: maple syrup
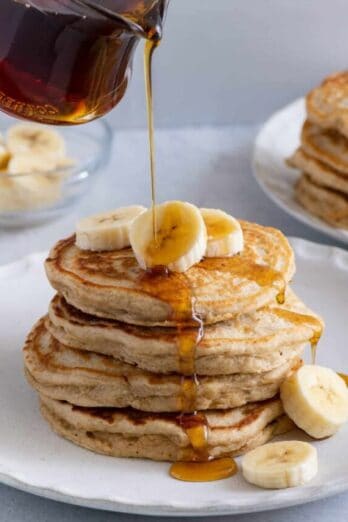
175	288
150	46
304	320
314	345
201	468
69	61
204	471
263	275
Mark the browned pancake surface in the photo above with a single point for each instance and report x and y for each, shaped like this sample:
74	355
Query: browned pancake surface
112	285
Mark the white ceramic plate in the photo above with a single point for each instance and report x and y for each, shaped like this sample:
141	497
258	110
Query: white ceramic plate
277	140
34	459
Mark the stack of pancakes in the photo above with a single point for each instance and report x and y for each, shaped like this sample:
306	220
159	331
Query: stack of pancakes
129	363
323	155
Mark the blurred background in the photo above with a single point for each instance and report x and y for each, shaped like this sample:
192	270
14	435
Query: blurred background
236	61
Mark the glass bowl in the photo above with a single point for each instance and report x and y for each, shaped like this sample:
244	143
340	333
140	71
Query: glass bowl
32	198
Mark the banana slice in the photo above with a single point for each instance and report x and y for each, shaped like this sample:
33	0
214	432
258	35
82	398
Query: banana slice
107	231
181	237
280	465
225	235
316	399
4	157
35	140
31	163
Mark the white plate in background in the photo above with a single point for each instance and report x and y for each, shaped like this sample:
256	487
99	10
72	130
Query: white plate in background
34	459
276	141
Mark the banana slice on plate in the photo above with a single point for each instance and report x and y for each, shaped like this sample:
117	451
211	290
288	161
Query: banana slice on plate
316	399
108	230
225	235
280	465
181	237
33	139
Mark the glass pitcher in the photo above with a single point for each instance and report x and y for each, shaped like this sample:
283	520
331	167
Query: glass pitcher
69	61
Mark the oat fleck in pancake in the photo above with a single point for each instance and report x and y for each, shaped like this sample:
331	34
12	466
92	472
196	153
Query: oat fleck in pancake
112	285
327	105
253	342
130	433
89	379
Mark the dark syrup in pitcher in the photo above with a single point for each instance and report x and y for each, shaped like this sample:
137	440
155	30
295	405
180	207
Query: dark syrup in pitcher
66	62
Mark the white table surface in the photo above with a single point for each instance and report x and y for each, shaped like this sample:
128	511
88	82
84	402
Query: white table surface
210	167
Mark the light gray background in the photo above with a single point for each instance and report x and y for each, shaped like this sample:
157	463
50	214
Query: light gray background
227	61
256	56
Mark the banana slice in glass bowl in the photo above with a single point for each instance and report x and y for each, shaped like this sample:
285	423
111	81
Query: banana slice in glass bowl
44	171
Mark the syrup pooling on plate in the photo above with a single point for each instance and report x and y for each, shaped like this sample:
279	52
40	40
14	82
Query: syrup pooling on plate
202	467
204	471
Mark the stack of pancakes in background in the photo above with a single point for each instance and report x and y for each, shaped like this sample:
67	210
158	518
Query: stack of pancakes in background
169	366
323	155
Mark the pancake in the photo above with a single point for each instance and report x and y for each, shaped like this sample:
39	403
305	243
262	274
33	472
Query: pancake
327	104
327	145
253	342
112	285
319	172
327	204
129	433
88	379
